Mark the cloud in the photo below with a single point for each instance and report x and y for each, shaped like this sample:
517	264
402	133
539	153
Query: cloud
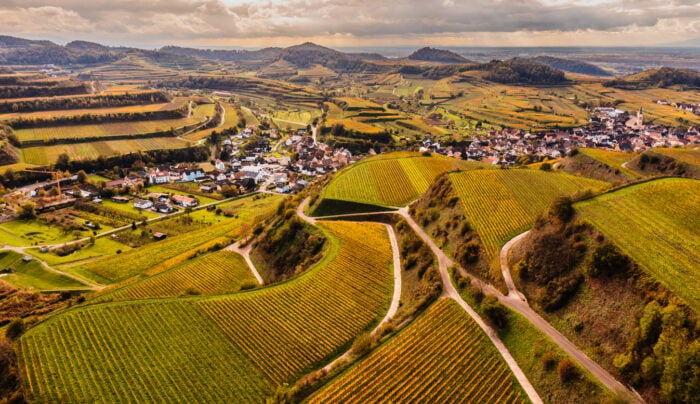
177	20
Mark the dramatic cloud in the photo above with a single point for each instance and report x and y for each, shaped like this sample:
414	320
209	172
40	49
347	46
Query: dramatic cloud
250	21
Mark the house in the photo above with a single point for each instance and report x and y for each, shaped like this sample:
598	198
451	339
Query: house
128	181
209	188
185	201
120	199
163	207
220	165
159	177
159	236
192	175
143	204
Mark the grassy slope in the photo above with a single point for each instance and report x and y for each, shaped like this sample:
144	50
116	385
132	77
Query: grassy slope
662	214
32	275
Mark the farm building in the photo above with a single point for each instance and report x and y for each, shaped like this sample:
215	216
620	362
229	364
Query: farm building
142	204
159	236
185	201
120	199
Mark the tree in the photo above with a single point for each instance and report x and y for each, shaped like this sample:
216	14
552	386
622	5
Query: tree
567	370
15	328
562	208
546	167
27	211
82	177
63	161
607	260
495	312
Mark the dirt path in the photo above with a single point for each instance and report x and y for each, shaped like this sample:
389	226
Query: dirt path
503	259
245	252
396	295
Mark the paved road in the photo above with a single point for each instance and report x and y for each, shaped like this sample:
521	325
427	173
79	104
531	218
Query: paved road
515	300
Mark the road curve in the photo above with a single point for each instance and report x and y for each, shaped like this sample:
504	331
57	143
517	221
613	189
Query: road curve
503	259
245	253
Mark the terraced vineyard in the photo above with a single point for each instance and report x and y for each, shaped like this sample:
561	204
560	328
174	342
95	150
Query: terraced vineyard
390	181
217	273
502	203
444	357
657	225
234	348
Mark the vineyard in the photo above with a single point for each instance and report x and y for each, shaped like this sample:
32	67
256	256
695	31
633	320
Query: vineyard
389	181
657	225
44	155
213	274
176	104
503	203
344	295
613	159
442	358
230	121
686	155
234	348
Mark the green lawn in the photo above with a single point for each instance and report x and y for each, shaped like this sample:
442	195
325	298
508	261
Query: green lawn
129	208
32	275
31	232
103	247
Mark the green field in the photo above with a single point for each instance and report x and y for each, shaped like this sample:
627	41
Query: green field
32	275
213	274
443	357
31	232
389	180
45	155
234	348
503	203
657	224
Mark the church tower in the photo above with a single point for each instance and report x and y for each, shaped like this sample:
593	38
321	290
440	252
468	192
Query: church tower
640	118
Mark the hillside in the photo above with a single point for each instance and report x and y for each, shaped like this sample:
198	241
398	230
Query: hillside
657	78
521	71
598	164
572	66
428	54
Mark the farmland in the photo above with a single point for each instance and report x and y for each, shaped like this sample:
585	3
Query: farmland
230	121
43	155
389	181
212	274
233	348
651	222
442	357
502	203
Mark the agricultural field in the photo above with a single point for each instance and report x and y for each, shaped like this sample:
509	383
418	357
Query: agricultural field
103	247
350	103
390	181
689	155
442	357
157	257
32	275
355	125
230	121
613	159
105	131
503	203
235	348
176	104
213	274
656	224
45	155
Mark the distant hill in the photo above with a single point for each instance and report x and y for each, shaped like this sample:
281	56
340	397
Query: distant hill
24	51
571	66
654	78
308	54
428	54
226	55
521	71
13	42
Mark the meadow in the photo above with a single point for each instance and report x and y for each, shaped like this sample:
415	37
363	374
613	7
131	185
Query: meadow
503	203
656	224
388	181
230	348
33	276
442	357
31	232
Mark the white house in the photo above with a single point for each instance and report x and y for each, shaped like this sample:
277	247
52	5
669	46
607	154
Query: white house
220	165
192	175
143	204
159	177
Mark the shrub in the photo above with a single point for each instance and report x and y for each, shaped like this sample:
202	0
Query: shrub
607	260
567	370
362	345
546	167
548	361
15	329
496	313
562	208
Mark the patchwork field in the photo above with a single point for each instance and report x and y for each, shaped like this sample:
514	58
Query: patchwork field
234	348
442	357
44	155
657	225
390	181
503	203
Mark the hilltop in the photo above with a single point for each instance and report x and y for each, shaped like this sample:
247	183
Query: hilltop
428	54
572	66
657	78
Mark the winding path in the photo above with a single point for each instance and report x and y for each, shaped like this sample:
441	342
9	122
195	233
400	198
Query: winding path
515	300
396	295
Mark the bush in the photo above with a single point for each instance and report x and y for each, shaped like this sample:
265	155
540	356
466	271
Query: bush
546	167
15	329
495	312
607	260
548	361
563	208
362	345
567	370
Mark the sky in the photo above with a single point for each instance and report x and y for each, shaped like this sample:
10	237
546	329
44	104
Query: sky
362	23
